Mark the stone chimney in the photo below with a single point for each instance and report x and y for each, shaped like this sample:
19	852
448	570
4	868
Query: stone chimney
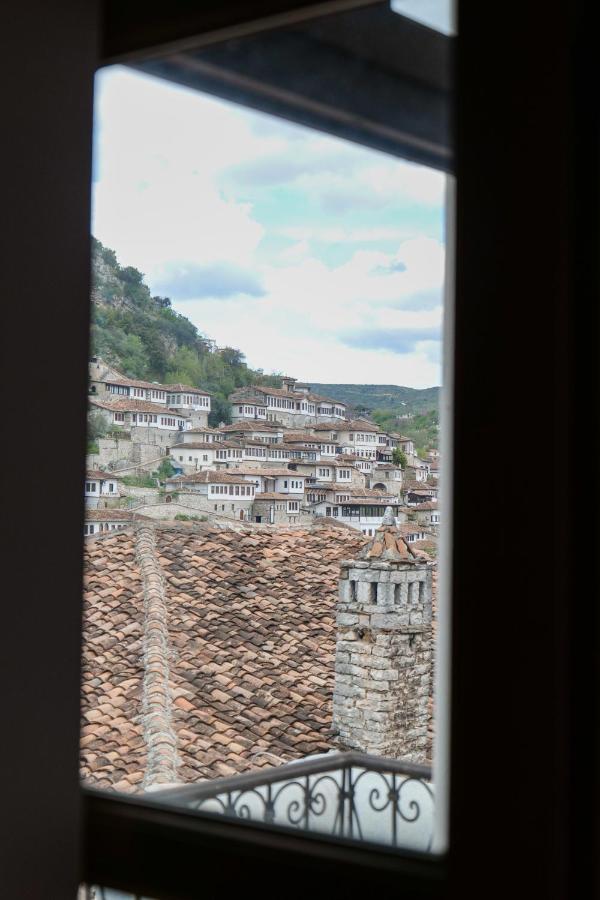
383	649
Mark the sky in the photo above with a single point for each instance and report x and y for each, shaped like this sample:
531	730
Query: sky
314	256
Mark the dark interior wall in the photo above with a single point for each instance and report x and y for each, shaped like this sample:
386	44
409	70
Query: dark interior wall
526	401
47	60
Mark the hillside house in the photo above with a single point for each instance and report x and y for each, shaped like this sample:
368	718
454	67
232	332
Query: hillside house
189	401
275	508
360	438
267	479
218	493
330	470
99	521
141	416
292	404
254	431
363	510
204	434
417	469
193	456
101	489
428	515
386	476
419	492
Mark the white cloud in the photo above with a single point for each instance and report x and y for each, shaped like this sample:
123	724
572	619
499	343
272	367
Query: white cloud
172	169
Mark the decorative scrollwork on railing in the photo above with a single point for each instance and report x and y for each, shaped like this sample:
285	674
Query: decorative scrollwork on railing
351	796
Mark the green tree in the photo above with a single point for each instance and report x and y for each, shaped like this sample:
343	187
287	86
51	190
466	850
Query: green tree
399	458
165	469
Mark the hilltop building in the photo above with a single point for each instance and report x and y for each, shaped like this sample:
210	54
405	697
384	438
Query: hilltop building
292	405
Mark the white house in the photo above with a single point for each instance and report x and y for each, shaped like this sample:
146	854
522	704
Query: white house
203	434
193	456
360	438
140	414
217	493
101	489
292	404
190	401
98	521
254	431
364	513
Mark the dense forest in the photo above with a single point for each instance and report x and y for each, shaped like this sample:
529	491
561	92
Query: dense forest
144	337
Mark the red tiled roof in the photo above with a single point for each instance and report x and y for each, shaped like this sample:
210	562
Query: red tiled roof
250	620
125	404
109	515
274	496
206	477
180	388
249	426
99	475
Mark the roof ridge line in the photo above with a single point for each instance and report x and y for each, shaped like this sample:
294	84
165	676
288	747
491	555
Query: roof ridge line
159	735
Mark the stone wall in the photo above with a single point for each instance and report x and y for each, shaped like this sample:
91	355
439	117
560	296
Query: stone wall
383	655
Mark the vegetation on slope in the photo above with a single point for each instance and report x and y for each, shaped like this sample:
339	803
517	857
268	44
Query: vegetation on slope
143	337
372	399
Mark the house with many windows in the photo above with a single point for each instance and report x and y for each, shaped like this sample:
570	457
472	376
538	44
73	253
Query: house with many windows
293	404
218	493
106	382
140	417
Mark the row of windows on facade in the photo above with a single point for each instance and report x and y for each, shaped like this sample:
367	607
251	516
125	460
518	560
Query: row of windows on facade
233	489
92	486
96	528
292	506
253	451
170	399
342	474
148	418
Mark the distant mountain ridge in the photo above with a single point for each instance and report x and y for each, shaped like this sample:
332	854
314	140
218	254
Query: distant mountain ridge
385	398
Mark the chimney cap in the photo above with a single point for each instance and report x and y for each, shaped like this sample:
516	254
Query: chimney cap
388	543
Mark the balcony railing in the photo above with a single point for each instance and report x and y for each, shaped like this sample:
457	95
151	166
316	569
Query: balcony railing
346	795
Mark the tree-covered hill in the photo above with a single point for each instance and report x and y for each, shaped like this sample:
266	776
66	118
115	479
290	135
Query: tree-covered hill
143	337
385	399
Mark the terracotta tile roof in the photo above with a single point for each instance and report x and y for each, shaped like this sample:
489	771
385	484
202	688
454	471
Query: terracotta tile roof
204	430
155	386
429	504
180	388
99	475
265	495
206	477
132	405
196	445
250	620
109	515
273	472
248	426
300	437
360	425
133	382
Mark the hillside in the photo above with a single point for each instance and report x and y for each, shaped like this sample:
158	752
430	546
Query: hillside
382	398
143	337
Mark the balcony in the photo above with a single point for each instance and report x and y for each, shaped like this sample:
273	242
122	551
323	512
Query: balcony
344	795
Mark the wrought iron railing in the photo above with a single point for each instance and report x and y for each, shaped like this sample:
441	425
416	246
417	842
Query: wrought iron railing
347	795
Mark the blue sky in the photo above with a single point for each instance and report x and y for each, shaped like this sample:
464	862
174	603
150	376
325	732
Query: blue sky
312	255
